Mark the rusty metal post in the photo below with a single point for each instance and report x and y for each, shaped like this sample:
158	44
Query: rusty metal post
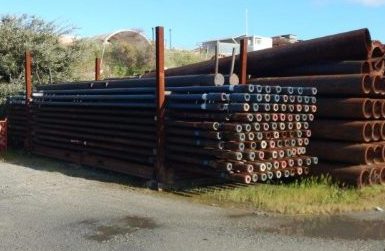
28	97
160	105
243	62
97	68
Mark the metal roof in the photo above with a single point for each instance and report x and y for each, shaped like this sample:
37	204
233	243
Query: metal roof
132	36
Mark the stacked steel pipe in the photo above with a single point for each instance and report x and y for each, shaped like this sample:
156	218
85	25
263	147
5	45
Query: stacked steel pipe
334	49
347	69
250	133
349	132
104	123
238	132
17	120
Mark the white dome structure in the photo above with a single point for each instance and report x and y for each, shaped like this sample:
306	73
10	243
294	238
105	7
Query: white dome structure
134	37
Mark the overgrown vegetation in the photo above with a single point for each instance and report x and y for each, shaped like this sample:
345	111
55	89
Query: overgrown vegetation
310	196
52	61
121	59
124	59
174	58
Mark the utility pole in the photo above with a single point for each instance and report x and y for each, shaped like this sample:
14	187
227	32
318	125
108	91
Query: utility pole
246	22
170	38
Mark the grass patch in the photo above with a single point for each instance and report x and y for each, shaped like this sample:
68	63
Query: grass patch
309	196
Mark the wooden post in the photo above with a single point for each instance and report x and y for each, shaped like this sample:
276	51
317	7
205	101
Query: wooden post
97	69
243	62
160	106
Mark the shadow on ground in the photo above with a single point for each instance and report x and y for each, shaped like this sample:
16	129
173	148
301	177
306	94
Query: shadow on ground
29	160
186	188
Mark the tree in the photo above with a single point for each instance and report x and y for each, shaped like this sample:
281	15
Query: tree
52	60
125	59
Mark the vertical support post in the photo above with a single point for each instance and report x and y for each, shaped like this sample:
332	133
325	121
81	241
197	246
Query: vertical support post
97	68
28	77
160	105
243	62
28	97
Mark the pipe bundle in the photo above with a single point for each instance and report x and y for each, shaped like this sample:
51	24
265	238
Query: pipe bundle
105	124
246	133
349	131
250	133
16	109
241	133
325	55
348	71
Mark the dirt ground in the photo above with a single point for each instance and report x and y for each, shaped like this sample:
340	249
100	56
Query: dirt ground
66	207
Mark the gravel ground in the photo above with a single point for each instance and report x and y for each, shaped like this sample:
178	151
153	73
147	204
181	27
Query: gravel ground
81	209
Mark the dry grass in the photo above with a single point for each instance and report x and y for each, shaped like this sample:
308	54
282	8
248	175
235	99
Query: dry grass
309	196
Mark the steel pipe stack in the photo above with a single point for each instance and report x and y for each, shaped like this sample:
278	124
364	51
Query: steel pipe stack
349	130
348	71
244	133
325	55
248	133
17	120
104	123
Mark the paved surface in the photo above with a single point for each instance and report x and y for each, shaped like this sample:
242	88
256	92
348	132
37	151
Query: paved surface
42	209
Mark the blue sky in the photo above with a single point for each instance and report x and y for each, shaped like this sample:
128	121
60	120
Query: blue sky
198	20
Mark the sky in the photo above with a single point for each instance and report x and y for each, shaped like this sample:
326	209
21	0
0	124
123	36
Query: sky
195	21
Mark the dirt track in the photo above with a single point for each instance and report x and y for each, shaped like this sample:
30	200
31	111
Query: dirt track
72	208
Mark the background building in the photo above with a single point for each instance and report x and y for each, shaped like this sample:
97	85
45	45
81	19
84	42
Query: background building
226	45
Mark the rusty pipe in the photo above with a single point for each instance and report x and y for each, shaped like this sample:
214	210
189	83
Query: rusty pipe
327	68
377	50
345	152
343	130
353	45
327	85
376	130
382	175
347	175
376	108
239	177
382	109
382	130
352	108
375	175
